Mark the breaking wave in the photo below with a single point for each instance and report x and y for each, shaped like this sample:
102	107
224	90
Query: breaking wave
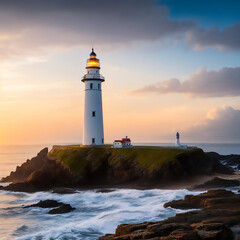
96	214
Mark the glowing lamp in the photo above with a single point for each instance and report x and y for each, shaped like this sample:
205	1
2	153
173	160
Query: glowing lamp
93	62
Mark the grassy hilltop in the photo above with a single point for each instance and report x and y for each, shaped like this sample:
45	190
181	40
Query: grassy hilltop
79	158
97	167
138	166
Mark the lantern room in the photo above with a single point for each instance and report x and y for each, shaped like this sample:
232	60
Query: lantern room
93	62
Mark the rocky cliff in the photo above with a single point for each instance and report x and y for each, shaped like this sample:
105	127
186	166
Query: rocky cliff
107	167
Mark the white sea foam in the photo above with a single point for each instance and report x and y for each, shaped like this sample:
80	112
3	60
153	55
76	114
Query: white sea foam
96	213
5	184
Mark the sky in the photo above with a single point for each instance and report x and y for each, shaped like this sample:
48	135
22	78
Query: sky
169	65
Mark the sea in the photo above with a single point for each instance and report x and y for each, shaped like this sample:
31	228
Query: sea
97	212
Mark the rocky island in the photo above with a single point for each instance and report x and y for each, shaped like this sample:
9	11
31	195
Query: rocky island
103	167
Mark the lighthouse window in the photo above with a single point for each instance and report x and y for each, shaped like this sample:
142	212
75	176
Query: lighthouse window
93	114
99	86
93	140
91	85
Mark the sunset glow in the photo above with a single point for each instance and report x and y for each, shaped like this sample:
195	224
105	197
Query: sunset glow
160	76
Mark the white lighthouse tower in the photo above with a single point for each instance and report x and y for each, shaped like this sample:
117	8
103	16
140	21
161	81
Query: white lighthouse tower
178	139
93	116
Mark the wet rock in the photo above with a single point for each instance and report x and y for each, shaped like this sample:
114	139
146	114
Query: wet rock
231	161
217	183
166	229
58	207
64	191
182	235
218	215
213	231
104	190
209	198
22	187
46	204
107	237
124	229
64	208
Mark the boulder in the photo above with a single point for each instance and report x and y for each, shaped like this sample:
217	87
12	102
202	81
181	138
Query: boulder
64	191
217	183
45	204
230	160
64	208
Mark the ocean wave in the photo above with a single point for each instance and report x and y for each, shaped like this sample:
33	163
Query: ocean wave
96	213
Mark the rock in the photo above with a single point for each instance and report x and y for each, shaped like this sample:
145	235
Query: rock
203	200
217	183
61	207
64	208
64	191
182	235
213	231
124	229
166	229
22	187
22	172
219	213
108	168
230	160
39	174
46	204
104	190
107	237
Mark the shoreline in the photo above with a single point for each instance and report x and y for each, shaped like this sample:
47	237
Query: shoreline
217	219
132	168
34	172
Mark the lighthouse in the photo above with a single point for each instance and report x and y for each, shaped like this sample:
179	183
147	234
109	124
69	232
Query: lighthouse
93	133
178	139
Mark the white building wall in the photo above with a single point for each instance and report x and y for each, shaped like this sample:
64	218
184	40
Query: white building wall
117	145
93	125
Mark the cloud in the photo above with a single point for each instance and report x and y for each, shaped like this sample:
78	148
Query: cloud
227	39
28	26
221	125
224	82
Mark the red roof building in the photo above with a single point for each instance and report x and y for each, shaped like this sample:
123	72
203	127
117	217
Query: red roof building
125	142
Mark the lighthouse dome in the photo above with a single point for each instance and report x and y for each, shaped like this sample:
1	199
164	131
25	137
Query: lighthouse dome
93	54
93	62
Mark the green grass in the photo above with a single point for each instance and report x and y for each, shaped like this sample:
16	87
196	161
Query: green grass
79	159
146	157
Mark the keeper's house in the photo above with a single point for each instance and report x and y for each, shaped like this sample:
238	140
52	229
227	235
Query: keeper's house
125	142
